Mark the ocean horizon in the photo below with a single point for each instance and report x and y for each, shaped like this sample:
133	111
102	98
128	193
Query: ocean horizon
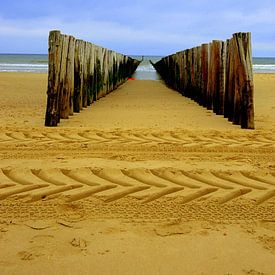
38	63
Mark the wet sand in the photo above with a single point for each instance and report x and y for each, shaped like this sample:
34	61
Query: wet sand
143	181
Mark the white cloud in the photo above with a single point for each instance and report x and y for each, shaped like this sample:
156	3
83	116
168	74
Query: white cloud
159	30
98	30
26	28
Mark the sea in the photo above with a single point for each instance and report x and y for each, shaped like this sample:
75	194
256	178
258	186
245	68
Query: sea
38	63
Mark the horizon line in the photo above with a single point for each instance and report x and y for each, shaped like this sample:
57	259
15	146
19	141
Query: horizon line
16	53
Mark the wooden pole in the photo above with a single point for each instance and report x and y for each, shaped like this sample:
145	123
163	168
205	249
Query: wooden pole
218	76
199	75
230	82
209	97
78	77
204	72
52	110
70	73
243	104
62	79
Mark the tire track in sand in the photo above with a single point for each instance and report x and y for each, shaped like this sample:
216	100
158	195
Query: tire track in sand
186	140
146	185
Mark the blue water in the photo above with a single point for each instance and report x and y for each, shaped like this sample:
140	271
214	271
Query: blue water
145	70
264	65
33	63
38	63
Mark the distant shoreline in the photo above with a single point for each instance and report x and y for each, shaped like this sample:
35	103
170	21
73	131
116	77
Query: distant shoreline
38	63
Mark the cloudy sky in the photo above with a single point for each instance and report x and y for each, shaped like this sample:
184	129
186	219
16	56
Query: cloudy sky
149	27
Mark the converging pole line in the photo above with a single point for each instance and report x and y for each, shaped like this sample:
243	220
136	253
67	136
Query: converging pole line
217	75
81	73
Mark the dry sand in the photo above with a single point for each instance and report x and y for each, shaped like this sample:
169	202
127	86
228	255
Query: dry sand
144	181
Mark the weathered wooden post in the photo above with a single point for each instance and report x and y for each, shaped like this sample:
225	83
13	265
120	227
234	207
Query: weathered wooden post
181	71
85	75
89	74
209	96
230	82
111	71
204	72
218	52
52	111
188	72
105	72
78	76
185	76
192	72
244	88
248	85
222	78
70	72
199	75
67	76
62	76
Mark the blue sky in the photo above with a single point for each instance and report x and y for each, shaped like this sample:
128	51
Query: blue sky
148	27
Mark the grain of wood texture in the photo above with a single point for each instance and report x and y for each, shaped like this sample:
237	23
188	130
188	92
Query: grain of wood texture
101	72
63	91
230	82
52	111
67	76
85	75
70	74
246	79
91	77
199	75
218	74
180	60
222	77
237	78
209	98
78	81
204	72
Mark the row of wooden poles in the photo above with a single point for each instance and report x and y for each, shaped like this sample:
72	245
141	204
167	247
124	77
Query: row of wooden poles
81	73
217	75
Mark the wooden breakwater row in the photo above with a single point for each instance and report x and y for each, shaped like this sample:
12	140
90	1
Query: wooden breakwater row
81	73
217	75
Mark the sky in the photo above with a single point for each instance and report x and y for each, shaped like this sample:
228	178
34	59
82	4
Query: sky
141	27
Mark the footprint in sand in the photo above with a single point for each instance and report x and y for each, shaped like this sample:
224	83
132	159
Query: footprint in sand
31	254
79	243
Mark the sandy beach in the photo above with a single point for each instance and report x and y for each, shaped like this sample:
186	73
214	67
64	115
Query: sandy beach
144	181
